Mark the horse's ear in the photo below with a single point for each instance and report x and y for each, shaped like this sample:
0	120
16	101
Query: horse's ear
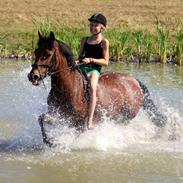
52	36
40	36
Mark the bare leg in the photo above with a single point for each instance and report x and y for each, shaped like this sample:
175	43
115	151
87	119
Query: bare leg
92	104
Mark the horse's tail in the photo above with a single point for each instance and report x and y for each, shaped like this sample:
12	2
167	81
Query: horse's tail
154	114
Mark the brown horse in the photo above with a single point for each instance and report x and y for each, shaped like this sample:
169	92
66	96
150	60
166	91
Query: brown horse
117	93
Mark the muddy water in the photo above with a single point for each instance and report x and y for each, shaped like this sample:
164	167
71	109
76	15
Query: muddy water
137	153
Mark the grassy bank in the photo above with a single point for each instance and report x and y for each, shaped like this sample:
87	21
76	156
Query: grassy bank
162	45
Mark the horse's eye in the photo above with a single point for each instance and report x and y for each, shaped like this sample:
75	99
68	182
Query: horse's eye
45	57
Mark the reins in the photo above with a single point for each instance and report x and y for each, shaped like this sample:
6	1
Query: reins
65	69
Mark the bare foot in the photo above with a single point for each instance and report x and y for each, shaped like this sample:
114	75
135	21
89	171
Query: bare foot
90	127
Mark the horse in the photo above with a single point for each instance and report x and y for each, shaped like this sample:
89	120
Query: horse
117	93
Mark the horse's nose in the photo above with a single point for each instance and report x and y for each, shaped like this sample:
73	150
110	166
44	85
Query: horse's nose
35	77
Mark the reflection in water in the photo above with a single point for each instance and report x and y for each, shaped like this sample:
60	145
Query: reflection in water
112	152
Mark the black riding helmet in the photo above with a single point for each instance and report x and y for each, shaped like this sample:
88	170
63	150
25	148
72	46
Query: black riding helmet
98	17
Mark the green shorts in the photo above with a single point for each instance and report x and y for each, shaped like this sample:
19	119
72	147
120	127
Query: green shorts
86	70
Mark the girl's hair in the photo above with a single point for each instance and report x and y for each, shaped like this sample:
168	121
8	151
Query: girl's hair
103	27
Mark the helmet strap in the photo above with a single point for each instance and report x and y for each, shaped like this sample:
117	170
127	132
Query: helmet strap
98	32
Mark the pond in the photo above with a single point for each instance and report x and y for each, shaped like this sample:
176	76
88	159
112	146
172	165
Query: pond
136	153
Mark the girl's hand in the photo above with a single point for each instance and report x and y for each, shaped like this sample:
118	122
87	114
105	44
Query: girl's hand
87	60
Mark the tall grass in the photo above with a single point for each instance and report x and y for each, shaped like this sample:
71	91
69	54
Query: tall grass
3	45
162	37
118	40
148	46
179	45
125	44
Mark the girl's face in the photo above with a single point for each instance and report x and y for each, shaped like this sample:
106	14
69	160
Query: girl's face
95	28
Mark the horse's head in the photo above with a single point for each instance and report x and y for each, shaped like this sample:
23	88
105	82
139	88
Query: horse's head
44	59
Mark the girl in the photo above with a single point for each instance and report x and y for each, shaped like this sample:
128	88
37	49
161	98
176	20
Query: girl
94	51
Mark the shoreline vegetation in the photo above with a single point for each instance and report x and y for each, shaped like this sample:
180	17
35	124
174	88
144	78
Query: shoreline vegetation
163	45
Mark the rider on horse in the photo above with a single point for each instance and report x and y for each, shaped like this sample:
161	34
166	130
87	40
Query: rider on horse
94	52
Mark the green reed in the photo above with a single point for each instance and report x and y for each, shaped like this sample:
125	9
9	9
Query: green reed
163	38
118	40
148	46
138	39
3	45
125	44
179	45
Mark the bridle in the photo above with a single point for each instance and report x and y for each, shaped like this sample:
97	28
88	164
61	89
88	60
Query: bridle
52	65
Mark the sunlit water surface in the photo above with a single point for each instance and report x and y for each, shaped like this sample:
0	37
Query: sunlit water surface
136	153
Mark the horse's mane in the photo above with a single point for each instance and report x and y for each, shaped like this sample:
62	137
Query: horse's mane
67	51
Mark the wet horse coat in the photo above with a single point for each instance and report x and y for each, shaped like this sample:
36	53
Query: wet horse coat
117	93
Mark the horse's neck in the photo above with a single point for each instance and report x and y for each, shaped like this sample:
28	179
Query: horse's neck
66	82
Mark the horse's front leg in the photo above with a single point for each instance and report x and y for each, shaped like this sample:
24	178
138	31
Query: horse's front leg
46	139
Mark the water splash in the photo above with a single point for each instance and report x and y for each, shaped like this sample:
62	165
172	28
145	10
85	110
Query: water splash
30	102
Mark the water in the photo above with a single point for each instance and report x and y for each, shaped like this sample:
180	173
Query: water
136	153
